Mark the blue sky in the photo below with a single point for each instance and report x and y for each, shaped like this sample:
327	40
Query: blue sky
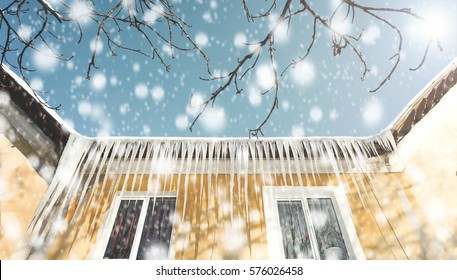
131	95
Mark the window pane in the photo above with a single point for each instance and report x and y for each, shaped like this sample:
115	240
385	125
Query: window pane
328	233
295	237
123	233
155	239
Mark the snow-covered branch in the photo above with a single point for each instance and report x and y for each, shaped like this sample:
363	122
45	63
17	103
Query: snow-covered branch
48	7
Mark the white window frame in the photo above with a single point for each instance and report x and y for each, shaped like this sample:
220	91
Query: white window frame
273	194
127	195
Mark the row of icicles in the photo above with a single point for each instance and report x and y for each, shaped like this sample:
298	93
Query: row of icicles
91	168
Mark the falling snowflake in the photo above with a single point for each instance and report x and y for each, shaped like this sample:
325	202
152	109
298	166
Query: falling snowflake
141	91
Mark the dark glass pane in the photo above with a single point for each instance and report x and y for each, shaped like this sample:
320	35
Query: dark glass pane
328	233
295	237
123	233
155	239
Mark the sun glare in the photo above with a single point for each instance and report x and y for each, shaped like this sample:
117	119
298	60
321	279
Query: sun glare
435	26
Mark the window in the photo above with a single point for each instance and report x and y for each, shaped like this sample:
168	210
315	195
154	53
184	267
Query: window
310	223
141	227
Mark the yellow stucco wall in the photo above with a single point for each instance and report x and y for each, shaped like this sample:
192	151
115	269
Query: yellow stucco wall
21	190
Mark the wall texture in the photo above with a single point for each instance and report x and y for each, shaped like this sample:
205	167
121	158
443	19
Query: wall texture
429	155
21	190
218	223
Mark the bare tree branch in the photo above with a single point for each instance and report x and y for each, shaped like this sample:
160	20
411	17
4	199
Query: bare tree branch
50	9
340	41
233	75
122	14
143	16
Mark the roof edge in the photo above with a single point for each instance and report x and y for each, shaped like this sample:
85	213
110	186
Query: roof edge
424	101
30	105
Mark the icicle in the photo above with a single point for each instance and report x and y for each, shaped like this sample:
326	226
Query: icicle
126	155
238	168
271	160
260	154
209	179
245	159
343	146
231	147
145	161
300	147
226	172
132	151
169	167
199	147
84	204
252	150
158	167
359	184
387	141
245	155
294	148
120	154
104	151
71	159
311	158
287	149
58	203
182	151
362	153
319	158
332	155
139	159
280	148
93	220
268	160
190	151
217	150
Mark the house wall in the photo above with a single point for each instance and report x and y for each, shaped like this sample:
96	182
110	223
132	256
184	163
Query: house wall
21	190
390	213
208	221
429	155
